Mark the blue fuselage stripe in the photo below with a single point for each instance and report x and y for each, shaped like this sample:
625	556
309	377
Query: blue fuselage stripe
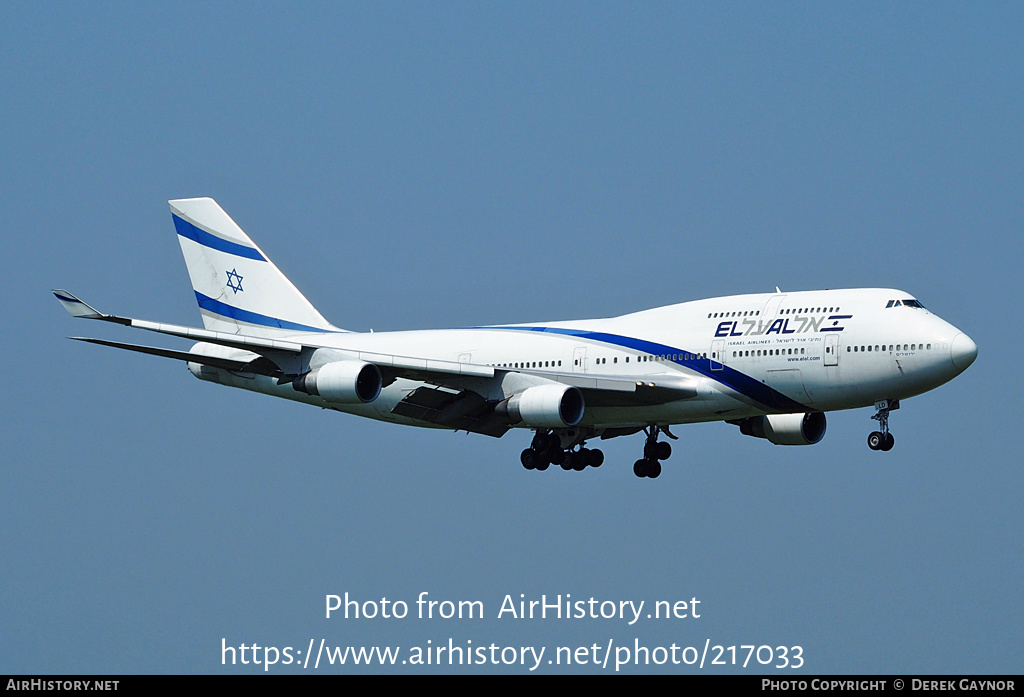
237	313
734	379
187	229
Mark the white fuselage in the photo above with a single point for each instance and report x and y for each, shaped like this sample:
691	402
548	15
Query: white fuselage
746	355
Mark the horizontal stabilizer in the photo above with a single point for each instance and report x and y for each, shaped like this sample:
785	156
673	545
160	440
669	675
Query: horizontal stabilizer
258	365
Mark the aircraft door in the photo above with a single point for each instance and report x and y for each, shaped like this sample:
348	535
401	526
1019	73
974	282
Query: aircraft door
717	354
771	307
832	349
579	359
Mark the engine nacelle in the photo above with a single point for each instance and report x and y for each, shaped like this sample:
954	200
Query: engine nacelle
786	429
342	382
546	406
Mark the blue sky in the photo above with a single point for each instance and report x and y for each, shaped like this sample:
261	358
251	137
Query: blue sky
448	164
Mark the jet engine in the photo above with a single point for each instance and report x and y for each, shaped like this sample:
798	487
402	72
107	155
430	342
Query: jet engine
545	406
786	429
342	382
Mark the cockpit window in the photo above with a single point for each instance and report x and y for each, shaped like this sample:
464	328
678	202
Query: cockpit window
907	302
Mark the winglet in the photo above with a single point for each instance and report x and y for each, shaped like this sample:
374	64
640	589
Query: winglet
76	307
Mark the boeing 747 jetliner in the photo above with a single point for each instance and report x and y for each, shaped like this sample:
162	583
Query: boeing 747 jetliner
770	363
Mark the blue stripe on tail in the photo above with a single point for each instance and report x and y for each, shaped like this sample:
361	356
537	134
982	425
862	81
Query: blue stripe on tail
187	229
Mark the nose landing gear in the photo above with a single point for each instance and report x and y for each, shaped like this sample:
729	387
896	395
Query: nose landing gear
882	439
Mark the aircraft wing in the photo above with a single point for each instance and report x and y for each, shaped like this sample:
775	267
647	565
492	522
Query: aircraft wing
79	308
446	402
392	365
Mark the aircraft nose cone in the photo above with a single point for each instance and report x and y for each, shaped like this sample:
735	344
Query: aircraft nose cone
963	351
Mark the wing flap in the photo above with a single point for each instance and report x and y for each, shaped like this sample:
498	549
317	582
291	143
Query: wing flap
462	411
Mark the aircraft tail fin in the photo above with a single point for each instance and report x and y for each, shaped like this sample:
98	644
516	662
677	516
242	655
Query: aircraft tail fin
239	290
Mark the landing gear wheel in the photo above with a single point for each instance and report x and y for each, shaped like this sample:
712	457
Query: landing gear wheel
647	468
529	458
653	449
882	439
596	458
580	459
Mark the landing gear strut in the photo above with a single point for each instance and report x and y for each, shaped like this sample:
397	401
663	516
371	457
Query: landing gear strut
882	439
654	451
547	450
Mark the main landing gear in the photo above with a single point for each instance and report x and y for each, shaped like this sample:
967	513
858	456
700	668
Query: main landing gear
882	439
567	449
654	451
547	450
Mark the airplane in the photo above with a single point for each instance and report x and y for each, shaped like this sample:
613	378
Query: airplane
770	363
